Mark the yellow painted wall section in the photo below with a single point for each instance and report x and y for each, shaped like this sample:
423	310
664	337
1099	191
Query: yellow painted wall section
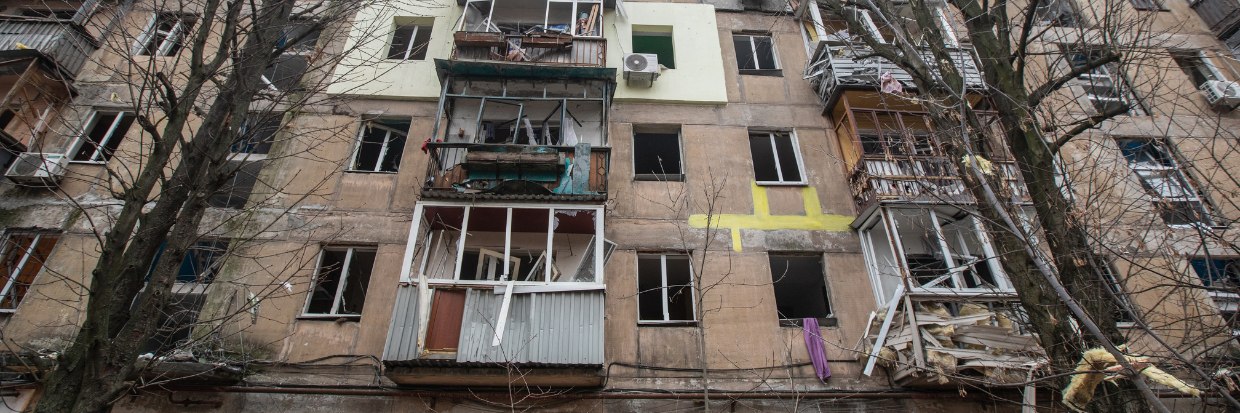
762	220
365	71
698	76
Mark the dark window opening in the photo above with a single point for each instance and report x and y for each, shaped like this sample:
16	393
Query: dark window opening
103	137
22	255
49	13
755	53
236	191
380	145
409	42
800	286
257	133
165	36
6	117
341	282
1217	272
1195	66
656	156
1152	5
665	288
286	71
775	157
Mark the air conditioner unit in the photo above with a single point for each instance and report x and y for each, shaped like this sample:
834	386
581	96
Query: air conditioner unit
1221	94
37	169
641	69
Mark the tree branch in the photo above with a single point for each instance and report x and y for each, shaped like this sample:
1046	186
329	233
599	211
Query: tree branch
1087	124
1041	92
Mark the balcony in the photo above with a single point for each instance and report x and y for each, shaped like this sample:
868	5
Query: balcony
537	32
64	42
550	49
517	172
1222	16
840	66
918	179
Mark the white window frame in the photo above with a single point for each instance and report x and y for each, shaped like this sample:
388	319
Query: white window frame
664	287
171	38
1176	173
417	27
796	151
21	264
753	48
1206	63
1102	76
868	21
383	152
96	157
572	24
340	284
460	24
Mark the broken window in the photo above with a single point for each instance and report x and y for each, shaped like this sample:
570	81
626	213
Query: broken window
1104	85
104	134
800	286
941	250
776	157
236	190
665	288
1197	66
524	112
22	255
583	18
656	40
1221	276
164	35
340	282
198	268
755	53
409	42
656	155
498	244
257	133
297	41
1057	13
1161	176
380	144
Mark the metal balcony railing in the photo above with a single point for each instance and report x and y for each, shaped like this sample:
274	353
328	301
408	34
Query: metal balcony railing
837	66
1222	16
502	171
922	179
66	43
562	50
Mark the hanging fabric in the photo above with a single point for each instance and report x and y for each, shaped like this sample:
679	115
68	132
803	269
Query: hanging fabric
814	345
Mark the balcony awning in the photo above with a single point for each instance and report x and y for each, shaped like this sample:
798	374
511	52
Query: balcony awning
465	68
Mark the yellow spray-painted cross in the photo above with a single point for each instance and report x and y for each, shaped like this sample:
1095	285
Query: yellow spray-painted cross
813	220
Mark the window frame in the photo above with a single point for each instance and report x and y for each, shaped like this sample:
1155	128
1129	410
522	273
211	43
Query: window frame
341	283
664	287
779	173
575	12
1175	173
296	51
657	31
12	278
383	151
1185	59
662	177
171	41
1149	5
1226	303
1107	76
753	50
411	47
99	155
230	187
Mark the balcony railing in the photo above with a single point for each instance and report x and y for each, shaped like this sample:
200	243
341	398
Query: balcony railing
930	179
838	66
549	49
1221	15
66	43
500	171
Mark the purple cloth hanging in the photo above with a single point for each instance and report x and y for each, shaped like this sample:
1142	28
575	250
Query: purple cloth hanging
817	352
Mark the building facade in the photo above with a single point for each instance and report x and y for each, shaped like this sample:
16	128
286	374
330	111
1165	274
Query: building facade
598	205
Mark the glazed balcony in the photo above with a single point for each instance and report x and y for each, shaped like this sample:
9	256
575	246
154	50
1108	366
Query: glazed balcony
841	66
64	42
517	172
1222	16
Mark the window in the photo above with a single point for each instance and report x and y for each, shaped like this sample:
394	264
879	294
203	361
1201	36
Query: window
655	40
236	191
800	286
1104	86
656	156
581	18
1222	278
298	40
949	34
49	14
1155	5
1057	13
22	255
409	42
103	136
776	159
340	281
257	133
1197	66
665	288
164	35
755	54
1124	313
1177	201
198	268
380	145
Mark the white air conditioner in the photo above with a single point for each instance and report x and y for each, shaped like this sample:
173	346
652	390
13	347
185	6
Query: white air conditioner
37	169
1222	94
641	69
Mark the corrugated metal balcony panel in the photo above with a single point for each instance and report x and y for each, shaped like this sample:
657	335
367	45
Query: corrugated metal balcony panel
561	327
65	43
402	339
1222	16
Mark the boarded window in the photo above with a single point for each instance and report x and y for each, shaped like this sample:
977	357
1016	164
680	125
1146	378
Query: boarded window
800	286
656	156
775	157
665	287
22	255
341	281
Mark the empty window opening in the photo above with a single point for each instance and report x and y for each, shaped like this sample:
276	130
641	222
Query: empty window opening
1197	66
165	35
340	281
104	134
236	191
380	144
257	133
6	117
656	156
665	288
776	158
1161	176
409	42
800	286
22	255
755	53
656	40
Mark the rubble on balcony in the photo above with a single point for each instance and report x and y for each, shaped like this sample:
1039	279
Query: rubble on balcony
566	33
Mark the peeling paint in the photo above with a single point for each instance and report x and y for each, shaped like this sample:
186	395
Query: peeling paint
761	219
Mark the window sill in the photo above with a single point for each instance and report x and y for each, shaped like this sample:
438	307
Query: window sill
763	72
822	322
778	183
358	171
100	163
331	317
656	323
660	177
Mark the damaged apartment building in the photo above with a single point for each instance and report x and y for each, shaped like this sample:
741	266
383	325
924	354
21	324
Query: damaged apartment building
601	205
